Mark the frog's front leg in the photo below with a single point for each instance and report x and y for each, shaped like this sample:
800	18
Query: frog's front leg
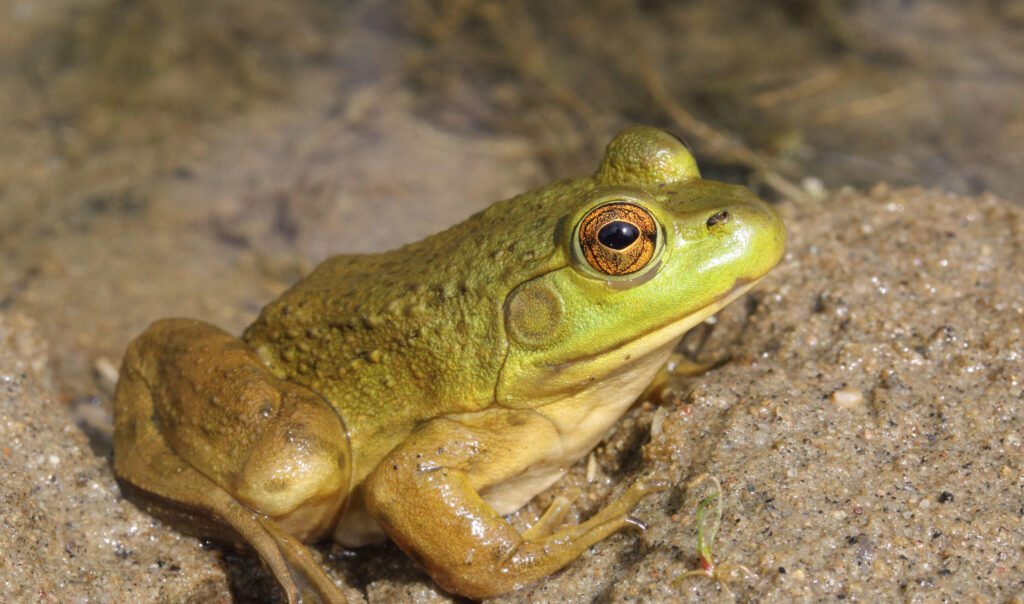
426	495
208	440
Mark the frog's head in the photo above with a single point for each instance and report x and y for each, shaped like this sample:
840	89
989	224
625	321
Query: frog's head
647	253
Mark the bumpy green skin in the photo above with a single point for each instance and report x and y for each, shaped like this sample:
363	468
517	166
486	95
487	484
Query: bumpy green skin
426	391
646	157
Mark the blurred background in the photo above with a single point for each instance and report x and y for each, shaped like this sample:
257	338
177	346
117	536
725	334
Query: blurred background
193	158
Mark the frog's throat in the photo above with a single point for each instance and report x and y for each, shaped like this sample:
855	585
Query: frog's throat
582	414
661	335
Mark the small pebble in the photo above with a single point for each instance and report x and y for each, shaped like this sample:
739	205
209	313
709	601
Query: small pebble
848	398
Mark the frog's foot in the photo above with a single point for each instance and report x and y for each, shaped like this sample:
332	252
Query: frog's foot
678	365
549	520
556	512
618	510
206	439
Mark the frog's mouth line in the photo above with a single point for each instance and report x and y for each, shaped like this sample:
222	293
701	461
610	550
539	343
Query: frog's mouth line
661	335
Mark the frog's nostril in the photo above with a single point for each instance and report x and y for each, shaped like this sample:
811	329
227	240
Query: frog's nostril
718	218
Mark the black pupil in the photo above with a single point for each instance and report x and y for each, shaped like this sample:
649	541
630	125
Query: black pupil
618	235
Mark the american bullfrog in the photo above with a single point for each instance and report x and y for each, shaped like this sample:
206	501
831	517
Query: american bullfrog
423	393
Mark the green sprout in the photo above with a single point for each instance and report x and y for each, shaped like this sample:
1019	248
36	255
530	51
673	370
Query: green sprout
707	530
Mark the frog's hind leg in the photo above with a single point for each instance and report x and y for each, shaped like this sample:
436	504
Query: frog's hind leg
196	505
201	432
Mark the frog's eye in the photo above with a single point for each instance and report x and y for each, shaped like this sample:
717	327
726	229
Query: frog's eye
618	238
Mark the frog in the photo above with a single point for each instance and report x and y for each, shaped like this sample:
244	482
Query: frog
426	393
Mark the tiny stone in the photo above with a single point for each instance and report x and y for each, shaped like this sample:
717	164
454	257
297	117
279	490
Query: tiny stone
847	398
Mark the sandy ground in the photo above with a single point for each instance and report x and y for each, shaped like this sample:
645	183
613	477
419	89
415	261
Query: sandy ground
65	536
865	424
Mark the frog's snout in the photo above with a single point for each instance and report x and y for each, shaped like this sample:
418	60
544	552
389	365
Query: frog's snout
759	233
744	234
